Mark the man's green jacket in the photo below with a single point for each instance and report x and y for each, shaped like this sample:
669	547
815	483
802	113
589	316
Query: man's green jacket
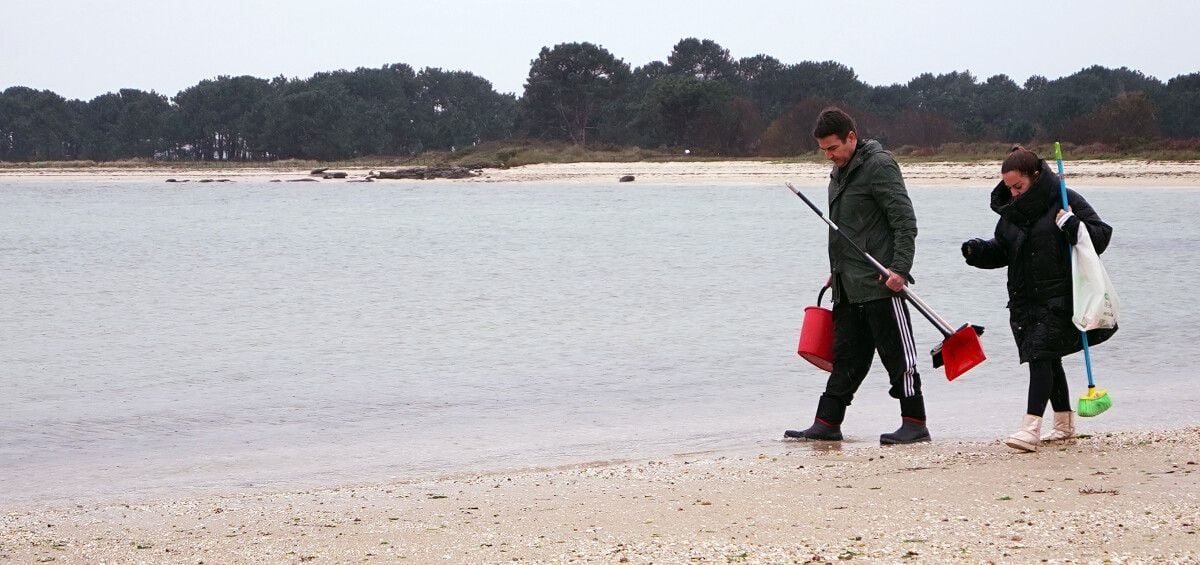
868	202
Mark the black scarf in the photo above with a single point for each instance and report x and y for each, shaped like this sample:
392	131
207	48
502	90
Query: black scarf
1027	208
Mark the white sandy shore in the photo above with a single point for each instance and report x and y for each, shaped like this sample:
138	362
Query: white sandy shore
1126	497
1081	173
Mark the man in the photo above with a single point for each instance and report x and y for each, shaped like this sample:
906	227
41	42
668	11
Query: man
868	202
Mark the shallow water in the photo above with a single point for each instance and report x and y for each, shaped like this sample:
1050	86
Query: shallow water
223	336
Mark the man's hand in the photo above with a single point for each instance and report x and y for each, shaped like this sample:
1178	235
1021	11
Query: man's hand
894	282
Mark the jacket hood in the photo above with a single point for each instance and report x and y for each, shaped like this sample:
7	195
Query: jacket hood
869	147
865	150
1027	208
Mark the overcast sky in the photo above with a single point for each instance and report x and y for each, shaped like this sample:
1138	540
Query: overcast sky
81	49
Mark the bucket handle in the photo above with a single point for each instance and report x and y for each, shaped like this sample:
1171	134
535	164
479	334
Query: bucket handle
821	295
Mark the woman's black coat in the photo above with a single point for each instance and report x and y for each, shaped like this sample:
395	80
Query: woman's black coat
1035	250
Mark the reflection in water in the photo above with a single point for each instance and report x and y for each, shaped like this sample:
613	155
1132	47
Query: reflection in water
817	446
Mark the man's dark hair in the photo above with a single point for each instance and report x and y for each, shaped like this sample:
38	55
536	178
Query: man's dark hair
1022	161
833	121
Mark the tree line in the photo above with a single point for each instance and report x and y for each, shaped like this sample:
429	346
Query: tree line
700	98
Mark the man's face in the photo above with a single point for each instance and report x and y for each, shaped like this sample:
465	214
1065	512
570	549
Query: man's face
837	150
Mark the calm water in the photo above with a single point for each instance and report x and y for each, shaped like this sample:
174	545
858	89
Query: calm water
160	336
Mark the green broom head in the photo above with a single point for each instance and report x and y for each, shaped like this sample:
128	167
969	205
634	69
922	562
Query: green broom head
1095	402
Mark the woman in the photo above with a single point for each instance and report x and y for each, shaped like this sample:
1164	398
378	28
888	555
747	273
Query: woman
1032	239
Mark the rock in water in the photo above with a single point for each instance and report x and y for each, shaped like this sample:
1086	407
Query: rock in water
426	173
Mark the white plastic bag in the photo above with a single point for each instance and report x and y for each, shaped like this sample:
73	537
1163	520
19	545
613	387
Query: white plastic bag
1096	303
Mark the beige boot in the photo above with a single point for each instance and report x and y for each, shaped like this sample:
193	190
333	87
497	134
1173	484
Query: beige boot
1029	437
1064	427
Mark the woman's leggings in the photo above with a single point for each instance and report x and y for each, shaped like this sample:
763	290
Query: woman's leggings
1047	381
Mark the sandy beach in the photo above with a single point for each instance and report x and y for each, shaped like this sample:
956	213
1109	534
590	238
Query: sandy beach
1082	173
1114	498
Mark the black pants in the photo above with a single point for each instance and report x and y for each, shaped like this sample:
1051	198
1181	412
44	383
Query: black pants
859	330
1047	381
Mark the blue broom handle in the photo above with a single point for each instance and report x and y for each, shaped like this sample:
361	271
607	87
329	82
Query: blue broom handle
1062	185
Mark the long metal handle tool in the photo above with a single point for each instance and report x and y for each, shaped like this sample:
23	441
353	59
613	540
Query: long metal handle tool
960	350
921	306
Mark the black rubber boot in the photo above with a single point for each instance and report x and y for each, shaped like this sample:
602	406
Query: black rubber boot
820	431
910	431
827	426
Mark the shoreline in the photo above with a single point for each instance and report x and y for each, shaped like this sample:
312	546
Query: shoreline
1081	173
1113	496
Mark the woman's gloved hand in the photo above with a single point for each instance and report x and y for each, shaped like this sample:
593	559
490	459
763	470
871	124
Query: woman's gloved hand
970	246
1068	223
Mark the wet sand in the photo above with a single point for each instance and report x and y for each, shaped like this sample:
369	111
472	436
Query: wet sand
1125	497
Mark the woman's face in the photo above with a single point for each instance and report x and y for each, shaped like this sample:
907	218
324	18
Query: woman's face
1017	183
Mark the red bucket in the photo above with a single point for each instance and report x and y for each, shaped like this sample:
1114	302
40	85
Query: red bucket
816	336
